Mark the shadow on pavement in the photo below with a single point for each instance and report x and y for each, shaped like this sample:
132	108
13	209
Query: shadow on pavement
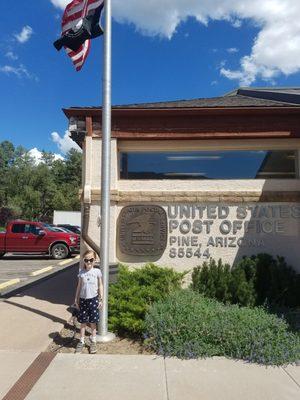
66	340
36	311
59	289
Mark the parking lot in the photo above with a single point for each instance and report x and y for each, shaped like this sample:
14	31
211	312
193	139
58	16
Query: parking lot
18	270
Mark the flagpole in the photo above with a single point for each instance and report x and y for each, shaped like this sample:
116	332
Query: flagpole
103	334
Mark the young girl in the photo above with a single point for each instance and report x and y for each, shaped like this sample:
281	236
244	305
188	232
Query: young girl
88	299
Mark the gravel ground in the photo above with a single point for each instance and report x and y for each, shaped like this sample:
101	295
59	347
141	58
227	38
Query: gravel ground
67	339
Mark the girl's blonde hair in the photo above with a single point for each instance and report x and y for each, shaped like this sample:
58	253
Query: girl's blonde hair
90	252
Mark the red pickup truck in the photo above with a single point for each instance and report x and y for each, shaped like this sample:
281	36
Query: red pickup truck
37	237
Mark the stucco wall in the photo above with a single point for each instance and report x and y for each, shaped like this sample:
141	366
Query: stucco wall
193	239
231	193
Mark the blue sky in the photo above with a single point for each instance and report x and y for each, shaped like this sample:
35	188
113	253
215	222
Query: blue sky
183	50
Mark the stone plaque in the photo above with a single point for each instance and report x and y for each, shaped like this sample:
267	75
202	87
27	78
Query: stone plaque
143	230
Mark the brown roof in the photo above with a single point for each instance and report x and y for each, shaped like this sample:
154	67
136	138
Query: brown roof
235	101
235	115
282	94
224	102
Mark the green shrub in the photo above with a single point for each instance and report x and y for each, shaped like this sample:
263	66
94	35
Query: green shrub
188	325
275	282
134	292
256	280
219	281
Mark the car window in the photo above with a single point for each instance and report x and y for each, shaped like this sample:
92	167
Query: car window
74	229
67	230
28	228
34	229
18	228
49	227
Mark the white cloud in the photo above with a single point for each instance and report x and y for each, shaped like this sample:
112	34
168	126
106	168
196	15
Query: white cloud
37	155
8	69
11	55
221	64
232	50
244	79
275	51
64	143
237	23
20	71
24	35
60	3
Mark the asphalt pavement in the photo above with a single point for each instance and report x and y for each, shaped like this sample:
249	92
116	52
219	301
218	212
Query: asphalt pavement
20	271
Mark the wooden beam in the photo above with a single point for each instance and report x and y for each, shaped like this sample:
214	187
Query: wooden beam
197	135
89	125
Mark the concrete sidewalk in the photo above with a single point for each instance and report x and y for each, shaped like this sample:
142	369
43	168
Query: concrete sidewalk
31	319
139	377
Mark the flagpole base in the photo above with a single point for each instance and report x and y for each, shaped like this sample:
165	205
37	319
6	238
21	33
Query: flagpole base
108	337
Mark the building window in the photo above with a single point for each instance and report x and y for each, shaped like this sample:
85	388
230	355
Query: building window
260	164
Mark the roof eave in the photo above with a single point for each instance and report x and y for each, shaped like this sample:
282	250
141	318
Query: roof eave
90	112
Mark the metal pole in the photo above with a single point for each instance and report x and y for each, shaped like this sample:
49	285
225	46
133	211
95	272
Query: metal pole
104	335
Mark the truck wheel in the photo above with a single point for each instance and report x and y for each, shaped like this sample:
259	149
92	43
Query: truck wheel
1	254
59	251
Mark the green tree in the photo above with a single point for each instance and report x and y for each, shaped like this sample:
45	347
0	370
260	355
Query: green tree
73	167
48	158
7	154
34	191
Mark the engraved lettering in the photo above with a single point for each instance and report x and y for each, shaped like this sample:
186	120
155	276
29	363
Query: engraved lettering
184	212
197	226
237	226
223	212
172	212
219	241
225	227
211	212
185	227
173	224
208	225
231	242
241	212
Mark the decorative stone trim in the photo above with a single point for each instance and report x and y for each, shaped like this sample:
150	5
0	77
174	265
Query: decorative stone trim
198	196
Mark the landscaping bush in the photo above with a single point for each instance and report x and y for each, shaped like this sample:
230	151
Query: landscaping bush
274	281
256	280
134	292
219	281
188	325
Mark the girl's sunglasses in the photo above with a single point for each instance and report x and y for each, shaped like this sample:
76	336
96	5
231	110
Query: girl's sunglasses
87	260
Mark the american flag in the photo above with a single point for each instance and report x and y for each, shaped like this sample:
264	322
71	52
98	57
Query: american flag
73	15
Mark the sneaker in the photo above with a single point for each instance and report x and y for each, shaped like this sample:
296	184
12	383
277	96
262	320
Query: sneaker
79	347
93	348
